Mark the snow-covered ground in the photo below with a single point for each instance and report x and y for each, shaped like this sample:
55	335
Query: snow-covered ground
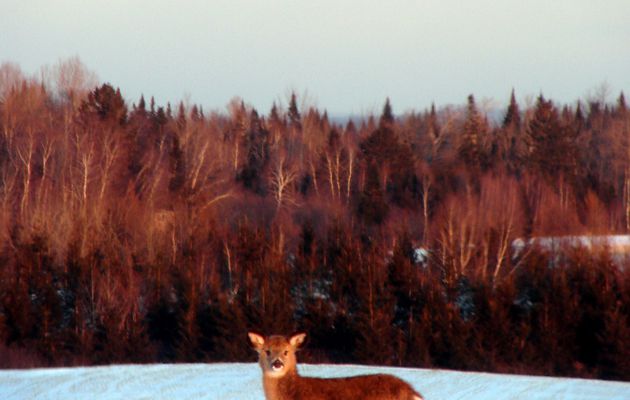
243	381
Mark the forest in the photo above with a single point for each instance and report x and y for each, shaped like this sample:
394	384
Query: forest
133	232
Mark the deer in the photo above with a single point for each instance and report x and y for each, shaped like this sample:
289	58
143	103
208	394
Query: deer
281	380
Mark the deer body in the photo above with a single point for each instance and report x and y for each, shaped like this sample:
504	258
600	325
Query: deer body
281	380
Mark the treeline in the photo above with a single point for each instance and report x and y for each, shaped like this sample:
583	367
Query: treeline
142	233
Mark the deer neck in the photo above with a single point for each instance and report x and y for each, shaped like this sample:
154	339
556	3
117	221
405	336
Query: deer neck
280	388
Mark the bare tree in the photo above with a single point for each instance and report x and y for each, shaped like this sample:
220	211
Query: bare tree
457	235
72	80
501	222
282	179
10	78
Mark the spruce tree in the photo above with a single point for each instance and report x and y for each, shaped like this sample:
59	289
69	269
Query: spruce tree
622	108
195	114
470	148
294	113
257	147
387	117
106	104
513	115
181	116
373	206
433	127
392	158
142	107
510	141
551	146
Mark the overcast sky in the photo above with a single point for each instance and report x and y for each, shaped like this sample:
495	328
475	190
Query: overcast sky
346	55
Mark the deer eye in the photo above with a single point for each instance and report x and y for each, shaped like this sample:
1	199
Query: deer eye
268	353
286	352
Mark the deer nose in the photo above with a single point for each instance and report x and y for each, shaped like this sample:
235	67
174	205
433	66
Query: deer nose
277	364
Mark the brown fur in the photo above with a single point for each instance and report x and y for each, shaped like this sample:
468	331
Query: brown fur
283	382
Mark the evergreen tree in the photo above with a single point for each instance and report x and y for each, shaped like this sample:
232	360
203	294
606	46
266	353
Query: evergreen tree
387	117
181	116
393	160
579	116
160	118
257	147
513	115
510	141
373	206
177	165
474	131
350	127
195	115
551	146
433	127
294	113
622	108
106	104
142	107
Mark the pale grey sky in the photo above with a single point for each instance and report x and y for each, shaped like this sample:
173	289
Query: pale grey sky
346	55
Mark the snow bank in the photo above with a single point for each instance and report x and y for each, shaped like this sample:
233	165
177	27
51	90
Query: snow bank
243	382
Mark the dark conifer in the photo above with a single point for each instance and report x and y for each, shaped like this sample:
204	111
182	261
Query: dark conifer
106	104
622	108
142	107
474	130
578	120
513	115
194	113
257	147
373	206
387	117
160	117
181	116
351	127
294	113
552	148
433	127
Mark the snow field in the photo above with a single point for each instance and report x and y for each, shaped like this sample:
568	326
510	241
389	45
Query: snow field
243	382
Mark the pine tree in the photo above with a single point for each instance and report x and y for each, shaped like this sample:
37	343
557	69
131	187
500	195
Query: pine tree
622	108
177	165
373	206
160	118
194	113
512	116
510	141
142	107
181	116
433	127
257	147
579	115
393	160
294	113
474	131
106	104
387	117
551	146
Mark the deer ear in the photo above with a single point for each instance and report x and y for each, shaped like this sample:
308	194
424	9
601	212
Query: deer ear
297	339
257	341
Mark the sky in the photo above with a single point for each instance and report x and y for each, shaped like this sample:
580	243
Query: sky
345	56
